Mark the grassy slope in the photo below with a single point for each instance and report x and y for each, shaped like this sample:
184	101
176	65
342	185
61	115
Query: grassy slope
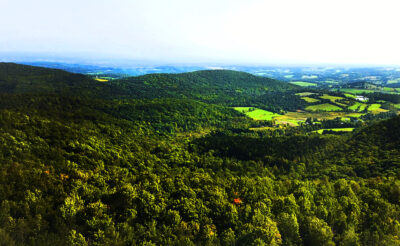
310	100
302	83
257	114
320	131
331	98
323	107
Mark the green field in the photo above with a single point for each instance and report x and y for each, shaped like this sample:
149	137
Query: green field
355	106
310	100
350	95
376	108
331	82
101	79
331	98
244	109
320	131
323	107
257	114
309	77
289	122
355	115
358	107
393	81
356	91
304	94
294	118
342	104
389	89
302	83
363	107
397	105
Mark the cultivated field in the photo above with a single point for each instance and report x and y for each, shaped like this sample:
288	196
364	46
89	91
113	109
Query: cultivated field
376	108
304	94
358	107
302	83
320	131
310	100
257	114
323	107
331	98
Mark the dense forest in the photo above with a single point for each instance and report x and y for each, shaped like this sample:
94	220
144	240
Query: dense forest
162	160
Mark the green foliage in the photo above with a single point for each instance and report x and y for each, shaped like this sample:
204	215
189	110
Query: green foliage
175	170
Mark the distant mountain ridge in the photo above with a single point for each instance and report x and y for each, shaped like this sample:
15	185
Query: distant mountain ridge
224	87
16	78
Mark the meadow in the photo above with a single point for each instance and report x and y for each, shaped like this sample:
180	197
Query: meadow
366	91
304	94
323	107
310	100
359	107
101	80
256	113
393	81
376	108
356	91
350	95
302	83
331	98
320	131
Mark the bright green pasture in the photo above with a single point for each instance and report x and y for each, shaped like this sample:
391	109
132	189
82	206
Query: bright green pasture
320	131
331	98
310	100
304	94
350	95
356	91
357	106
302	83
393	81
331	82
243	109
257	114
376	108
309	77
323	107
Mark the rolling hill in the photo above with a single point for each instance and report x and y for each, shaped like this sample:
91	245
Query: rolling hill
16	78
161	160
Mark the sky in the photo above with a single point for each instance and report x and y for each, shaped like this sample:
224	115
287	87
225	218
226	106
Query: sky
205	31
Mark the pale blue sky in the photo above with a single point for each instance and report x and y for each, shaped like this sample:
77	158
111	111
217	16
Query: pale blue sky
229	31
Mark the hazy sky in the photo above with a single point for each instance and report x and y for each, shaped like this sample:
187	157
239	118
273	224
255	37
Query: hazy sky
230	31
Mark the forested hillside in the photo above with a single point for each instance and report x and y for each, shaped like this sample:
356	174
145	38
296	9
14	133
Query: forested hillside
156	160
27	79
229	88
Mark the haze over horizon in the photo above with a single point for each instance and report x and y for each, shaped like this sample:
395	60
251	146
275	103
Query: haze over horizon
224	31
